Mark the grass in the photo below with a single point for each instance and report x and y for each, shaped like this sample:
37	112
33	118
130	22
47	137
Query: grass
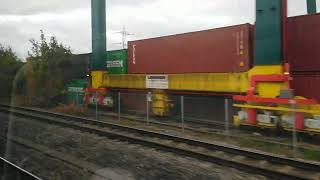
303	153
311	155
71	109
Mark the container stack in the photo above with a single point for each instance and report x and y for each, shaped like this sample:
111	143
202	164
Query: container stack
221	50
304	54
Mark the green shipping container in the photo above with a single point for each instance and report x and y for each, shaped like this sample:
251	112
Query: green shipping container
76	91
117	62
268	33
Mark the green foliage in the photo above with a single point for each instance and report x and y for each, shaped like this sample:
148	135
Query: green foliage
9	65
46	59
9	62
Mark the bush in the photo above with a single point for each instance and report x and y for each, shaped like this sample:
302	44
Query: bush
71	109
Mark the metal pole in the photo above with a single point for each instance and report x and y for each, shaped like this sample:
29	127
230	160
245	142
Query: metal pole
227	116
96	99
119	110
77	101
147	98
182	113
81	99
294	132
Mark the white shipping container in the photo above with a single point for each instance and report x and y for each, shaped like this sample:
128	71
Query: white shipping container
267	119
243	116
312	123
287	121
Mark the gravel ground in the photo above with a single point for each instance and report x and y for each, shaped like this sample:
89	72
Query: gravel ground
116	160
3	132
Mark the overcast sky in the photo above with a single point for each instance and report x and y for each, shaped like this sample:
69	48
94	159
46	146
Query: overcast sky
70	21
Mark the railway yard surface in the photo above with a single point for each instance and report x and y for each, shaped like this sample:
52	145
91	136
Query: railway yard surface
54	152
57	146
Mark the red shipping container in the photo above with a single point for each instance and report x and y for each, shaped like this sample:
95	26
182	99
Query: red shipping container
218	50
303	33
307	85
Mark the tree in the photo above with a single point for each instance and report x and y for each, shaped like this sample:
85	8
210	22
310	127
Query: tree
9	65
9	61
46	59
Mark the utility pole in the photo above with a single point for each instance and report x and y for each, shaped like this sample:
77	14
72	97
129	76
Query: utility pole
124	34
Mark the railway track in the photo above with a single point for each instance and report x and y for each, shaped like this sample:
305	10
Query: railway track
11	171
141	116
269	165
204	128
54	155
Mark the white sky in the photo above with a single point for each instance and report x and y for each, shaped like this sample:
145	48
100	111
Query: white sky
70	21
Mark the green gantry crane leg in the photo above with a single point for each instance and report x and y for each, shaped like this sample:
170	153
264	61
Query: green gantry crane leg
268	49
312	6
98	20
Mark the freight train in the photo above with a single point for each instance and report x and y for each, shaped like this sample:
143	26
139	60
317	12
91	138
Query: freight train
270	69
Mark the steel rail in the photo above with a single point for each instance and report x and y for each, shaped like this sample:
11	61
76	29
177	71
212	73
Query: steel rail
12	171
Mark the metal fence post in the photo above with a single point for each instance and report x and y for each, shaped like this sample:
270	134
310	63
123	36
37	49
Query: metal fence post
96	99
119	106
227	116
147	103
294	132
81	99
77	100
182	113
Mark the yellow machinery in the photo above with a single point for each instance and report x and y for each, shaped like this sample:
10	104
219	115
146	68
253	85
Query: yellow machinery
160	103
261	95
206	82
202	82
